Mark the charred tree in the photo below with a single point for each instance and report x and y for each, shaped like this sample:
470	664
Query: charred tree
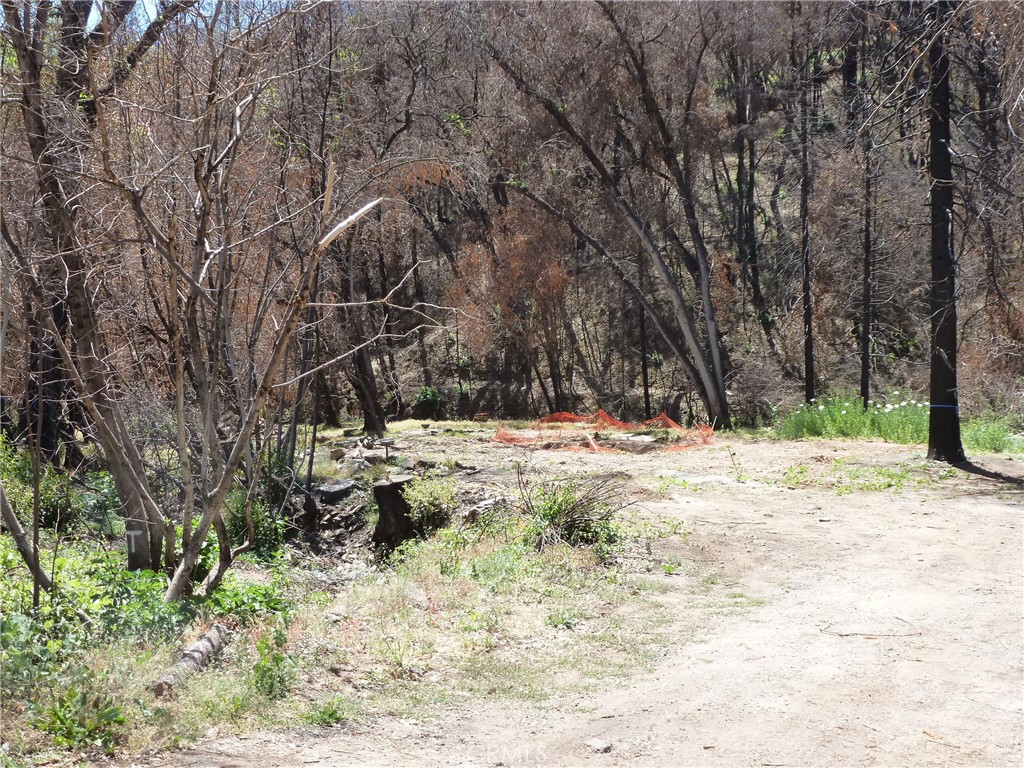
944	443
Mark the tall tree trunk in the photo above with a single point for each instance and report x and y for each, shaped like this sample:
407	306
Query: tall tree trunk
867	277
944	442
810	378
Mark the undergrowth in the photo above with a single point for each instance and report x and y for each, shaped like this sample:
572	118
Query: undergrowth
504	601
896	419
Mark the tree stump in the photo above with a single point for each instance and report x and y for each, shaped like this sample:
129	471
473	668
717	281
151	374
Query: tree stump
393	522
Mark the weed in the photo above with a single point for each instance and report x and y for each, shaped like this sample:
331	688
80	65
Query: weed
274	671
563	618
333	712
245	601
992	435
481	621
60	505
78	718
671	567
797	474
400	651
268	529
428	403
132	604
850	479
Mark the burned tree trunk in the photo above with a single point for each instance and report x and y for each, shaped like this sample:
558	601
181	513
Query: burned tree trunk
394	525
944	422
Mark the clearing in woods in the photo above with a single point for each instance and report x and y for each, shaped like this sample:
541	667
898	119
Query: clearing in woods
879	623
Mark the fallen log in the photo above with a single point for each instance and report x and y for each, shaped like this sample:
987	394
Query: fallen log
194	659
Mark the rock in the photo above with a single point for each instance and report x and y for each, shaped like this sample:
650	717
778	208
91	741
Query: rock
337	454
332	493
596	745
305	512
374	456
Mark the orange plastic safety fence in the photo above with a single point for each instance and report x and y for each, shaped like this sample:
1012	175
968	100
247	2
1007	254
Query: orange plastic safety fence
699	435
502	435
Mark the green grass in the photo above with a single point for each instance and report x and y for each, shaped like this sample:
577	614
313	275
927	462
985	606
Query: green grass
896	419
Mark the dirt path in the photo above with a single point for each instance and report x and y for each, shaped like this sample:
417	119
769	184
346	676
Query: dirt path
883	628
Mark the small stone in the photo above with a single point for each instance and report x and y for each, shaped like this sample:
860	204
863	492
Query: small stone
337	454
598	746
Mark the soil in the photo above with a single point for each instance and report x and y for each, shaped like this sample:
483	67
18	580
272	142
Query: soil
883	625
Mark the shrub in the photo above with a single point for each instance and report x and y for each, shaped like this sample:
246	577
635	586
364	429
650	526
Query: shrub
428	402
268	529
432	502
59	503
131	604
100	503
576	511
245	601
992	435
33	651
896	421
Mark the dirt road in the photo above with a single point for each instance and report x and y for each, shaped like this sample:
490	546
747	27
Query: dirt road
884	627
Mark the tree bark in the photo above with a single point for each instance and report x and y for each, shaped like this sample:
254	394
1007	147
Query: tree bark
393	522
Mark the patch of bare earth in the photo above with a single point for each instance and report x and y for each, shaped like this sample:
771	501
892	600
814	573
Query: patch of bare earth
871	626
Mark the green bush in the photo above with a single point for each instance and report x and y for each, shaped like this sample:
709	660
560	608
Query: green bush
897	421
59	503
428	402
432	501
267	527
34	651
992	435
131	604
100	504
245	601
